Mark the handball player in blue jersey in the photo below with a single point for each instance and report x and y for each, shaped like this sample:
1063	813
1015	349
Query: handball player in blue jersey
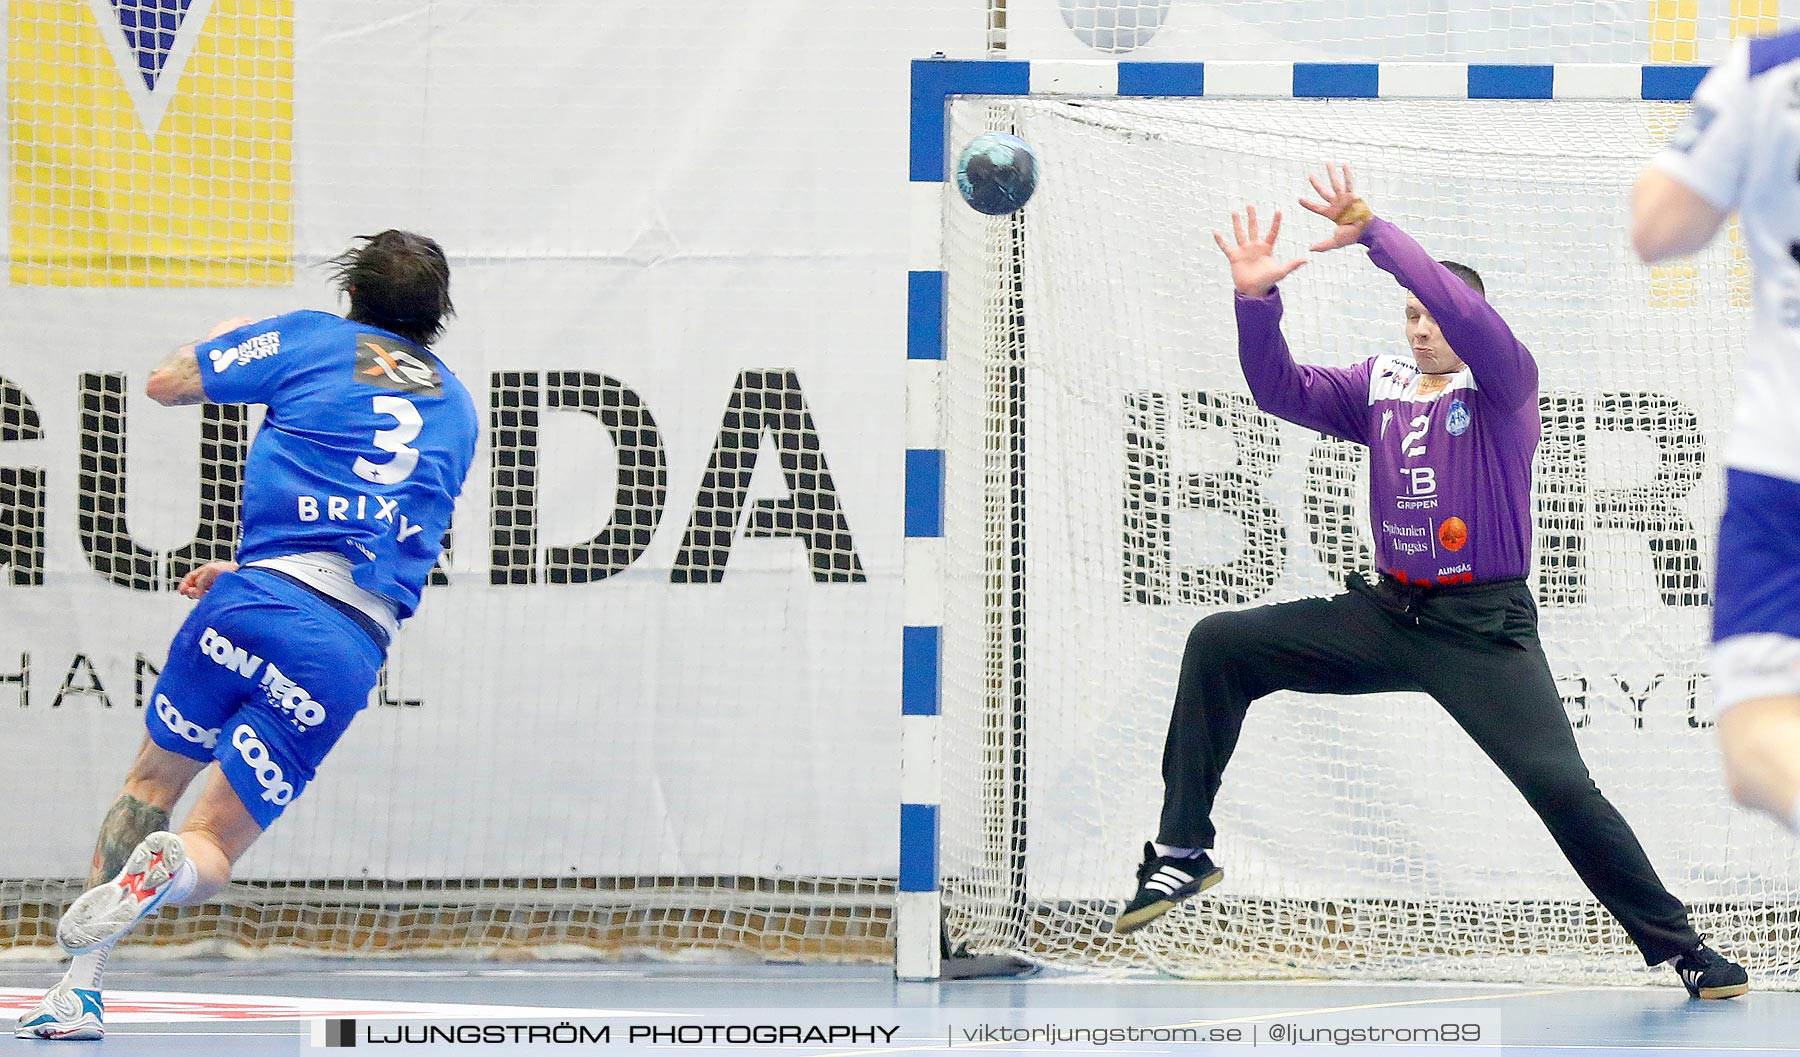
1451	429
348	492
1737	151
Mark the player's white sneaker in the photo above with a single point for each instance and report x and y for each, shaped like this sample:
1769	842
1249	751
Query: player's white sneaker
64	1012
106	912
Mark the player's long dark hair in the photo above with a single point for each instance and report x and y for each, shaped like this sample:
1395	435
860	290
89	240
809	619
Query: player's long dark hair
398	281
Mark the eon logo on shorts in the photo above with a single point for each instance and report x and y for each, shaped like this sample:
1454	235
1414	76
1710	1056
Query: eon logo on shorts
189	731
220	649
291	697
276	790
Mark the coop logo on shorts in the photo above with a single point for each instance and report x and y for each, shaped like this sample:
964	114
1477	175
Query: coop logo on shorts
186	729
276	790
1458	422
260	347
223	653
292	698
390	364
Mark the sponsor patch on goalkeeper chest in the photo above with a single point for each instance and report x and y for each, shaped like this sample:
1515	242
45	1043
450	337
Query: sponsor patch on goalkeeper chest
1459	419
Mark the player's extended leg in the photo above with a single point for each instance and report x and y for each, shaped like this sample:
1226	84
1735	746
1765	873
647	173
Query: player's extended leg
1761	742
217	833
182	868
222	696
1338	645
1503	694
73	1008
155	782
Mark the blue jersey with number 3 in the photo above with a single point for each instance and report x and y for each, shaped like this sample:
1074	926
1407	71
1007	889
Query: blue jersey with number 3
365	447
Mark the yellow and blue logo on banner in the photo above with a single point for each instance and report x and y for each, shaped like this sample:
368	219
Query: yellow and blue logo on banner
152	142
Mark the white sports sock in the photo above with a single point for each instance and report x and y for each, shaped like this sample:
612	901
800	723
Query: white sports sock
1173	852
181	885
86	971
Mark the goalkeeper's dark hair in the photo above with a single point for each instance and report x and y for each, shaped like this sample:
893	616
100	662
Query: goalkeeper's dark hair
1470	277
397	281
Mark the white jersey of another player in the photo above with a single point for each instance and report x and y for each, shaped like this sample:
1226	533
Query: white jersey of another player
1740	150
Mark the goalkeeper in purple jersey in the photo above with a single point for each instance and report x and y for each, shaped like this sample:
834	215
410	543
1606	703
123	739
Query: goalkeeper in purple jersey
1451	429
348	491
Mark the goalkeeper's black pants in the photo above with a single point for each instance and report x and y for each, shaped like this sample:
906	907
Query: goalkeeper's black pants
1473	647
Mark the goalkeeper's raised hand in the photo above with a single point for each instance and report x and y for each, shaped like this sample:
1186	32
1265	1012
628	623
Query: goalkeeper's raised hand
1254	267
1340	206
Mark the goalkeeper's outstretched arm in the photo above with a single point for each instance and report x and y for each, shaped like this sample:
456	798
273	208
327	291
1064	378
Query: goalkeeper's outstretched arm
1328	399
1472	327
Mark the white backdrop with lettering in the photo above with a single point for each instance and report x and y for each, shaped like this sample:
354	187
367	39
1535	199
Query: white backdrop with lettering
697	213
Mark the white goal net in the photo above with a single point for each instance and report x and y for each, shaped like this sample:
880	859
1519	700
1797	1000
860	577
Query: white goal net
1110	482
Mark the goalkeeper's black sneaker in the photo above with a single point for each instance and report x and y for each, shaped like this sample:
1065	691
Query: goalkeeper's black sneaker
1709	974
1163	881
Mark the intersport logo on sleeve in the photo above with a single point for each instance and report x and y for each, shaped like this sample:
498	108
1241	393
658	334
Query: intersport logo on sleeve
260	347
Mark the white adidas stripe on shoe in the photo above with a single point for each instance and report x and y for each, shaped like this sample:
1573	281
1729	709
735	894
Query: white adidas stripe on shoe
1162	884
1167	879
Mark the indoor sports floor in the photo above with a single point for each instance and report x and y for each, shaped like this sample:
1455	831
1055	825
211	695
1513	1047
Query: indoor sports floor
218	1008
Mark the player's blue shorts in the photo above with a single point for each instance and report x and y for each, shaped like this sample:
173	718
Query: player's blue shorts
1757	588
263	677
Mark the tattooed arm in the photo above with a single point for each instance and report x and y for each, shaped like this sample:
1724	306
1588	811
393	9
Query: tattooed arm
176	380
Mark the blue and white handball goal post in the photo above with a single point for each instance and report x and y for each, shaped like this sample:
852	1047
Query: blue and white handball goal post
1086	476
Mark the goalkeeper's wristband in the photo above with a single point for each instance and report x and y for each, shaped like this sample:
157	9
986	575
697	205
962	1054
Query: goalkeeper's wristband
1356	212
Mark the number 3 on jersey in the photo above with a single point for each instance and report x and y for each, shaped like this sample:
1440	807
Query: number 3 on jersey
405	459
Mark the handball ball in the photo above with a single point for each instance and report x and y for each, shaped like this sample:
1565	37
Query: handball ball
996	173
